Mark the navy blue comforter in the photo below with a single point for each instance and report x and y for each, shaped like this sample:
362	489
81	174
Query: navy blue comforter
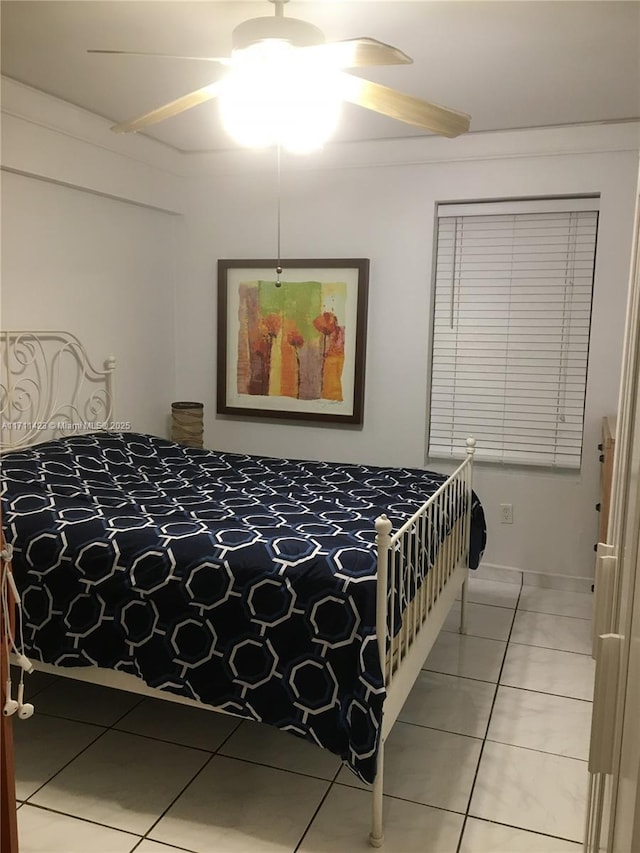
244	582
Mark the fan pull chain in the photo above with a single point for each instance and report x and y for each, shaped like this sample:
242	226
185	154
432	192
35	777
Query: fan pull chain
278	261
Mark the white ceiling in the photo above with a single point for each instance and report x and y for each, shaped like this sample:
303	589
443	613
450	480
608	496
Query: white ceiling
510	64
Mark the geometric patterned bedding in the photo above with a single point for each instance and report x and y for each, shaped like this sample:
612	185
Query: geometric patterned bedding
247	583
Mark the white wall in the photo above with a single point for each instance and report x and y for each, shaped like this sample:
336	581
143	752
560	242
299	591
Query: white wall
356	202
101	269
86	249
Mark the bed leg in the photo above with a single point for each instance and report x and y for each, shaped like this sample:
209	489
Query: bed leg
376	836
463	606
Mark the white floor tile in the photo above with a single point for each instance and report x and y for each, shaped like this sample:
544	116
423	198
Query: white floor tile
531	790
483	837
426	766
181	724
344	821
266	745
470	657
450	703
123	781
43	745
541	721
237	807
565	633
88	703
483	620
156	847
42	831
556	602
549	671
496	593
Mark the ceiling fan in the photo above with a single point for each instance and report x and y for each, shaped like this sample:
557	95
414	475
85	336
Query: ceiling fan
271	55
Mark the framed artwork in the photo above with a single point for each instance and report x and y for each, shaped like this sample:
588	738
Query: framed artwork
294	347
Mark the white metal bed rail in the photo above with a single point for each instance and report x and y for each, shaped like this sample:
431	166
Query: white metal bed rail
416	562
424	563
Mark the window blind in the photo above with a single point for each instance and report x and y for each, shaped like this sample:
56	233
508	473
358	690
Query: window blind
510	344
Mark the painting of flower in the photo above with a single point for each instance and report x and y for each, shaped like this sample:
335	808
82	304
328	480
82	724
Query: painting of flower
293	346
291	339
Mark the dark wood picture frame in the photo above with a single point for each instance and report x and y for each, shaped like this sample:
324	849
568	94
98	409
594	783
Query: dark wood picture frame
292	348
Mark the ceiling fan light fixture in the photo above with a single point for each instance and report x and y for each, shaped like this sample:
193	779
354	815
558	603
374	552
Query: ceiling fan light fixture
277	94
297	33
286	86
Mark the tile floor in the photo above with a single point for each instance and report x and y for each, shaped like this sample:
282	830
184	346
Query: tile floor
488	755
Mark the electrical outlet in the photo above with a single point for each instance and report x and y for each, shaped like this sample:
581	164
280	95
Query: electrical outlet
506	513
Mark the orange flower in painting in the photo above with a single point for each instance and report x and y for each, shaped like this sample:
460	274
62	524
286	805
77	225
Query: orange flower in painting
270	325
295	339
326	323
332	336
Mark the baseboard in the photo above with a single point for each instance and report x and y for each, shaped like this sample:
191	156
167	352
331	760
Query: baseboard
505	574
527	577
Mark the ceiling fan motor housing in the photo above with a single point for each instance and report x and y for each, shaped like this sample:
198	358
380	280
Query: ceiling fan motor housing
295	32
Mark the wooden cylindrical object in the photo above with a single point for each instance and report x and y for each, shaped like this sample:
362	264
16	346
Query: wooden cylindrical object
187	423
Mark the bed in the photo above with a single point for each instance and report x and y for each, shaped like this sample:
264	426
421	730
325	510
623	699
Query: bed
251	585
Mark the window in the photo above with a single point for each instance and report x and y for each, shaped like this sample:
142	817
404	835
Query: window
510	343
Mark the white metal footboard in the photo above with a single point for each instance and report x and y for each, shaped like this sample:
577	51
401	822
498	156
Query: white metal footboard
425	564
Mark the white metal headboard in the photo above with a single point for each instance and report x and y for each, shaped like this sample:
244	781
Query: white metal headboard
49	388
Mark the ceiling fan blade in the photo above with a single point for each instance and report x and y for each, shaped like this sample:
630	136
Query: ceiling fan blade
186	102
389	102
360	53
224	60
